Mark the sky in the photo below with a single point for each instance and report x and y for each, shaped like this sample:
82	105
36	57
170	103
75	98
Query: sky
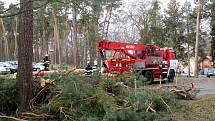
7	2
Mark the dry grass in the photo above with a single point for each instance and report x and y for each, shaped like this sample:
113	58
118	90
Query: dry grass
201	110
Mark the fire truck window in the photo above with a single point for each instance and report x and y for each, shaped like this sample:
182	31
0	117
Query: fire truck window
157	55
108	54
138	52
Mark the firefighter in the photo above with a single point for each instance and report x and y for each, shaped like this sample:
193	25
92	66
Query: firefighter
95	66
88	69
46	62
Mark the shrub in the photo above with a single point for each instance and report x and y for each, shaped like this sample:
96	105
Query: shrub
9	96
95	98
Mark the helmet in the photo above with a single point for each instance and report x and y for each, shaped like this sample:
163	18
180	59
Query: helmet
46	54
95	62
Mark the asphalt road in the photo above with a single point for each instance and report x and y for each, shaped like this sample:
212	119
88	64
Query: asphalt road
204	84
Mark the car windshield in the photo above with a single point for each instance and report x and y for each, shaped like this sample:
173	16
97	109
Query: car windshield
7	64
211	70
1	64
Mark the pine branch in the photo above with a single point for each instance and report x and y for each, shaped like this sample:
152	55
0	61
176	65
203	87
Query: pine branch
12	118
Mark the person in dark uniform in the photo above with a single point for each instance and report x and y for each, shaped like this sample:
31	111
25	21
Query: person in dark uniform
46	62
88	69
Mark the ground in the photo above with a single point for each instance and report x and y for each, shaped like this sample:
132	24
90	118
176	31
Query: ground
204	84
201	108
203	105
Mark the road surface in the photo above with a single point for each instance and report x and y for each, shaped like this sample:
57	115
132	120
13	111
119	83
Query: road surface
204	84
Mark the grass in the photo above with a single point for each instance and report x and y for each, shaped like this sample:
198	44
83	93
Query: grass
200	110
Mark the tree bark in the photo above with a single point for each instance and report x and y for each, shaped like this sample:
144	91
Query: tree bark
15	37
75	39
65	38
107	21
56	39
86	46
25	53
6	47
66	42
188	47
197	39
44	41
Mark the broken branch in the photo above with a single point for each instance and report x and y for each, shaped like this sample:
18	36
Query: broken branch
12	118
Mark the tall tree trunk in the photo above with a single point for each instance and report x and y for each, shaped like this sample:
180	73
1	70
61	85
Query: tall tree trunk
86	46
56	39
188	42
75	39
65	38
6	47
25	53
15	37
36	49
107	21
212	24
188	54
66	42
44	43
197	39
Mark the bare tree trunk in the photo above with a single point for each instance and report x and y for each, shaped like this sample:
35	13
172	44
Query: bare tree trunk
107	21
197	39
6	47
25	53
56	39
188	60
86	46
44	41
75	39
65	43
65	38
15	37
188	42
36	49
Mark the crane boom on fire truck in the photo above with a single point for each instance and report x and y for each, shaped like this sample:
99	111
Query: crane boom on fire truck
150	60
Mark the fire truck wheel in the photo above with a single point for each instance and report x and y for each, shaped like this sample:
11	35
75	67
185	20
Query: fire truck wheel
149	76
171	76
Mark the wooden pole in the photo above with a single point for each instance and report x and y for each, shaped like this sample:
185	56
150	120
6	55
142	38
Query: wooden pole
135	85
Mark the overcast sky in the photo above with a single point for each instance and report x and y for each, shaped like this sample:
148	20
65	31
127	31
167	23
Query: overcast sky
7	2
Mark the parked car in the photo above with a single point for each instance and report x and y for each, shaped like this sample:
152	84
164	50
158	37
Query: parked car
211	72
38	66
4	69
10	66
14	63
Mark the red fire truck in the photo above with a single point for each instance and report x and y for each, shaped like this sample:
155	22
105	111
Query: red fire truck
150	60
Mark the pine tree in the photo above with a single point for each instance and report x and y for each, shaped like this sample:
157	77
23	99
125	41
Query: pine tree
212	24
25	53
174	28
